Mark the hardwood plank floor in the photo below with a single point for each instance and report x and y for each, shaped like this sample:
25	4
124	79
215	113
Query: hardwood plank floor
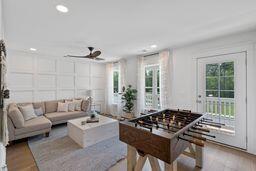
216	158
20	158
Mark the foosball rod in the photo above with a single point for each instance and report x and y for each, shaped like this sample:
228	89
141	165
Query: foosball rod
184	110
207	119
177	119
200	129
213	122
157	122
210	124
194	136
184	115
201	133
150	128
179	113
165	124
157	126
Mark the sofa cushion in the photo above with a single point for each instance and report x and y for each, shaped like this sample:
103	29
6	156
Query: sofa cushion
39	111
35	124
38	105
52	106
78	104
85	105
62	107
59	116
16	116
28	112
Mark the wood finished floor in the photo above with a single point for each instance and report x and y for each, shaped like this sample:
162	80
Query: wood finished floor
216	158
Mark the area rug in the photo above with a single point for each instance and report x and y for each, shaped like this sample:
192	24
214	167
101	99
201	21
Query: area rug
59	152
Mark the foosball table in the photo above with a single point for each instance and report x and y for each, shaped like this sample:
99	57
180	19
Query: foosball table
165	135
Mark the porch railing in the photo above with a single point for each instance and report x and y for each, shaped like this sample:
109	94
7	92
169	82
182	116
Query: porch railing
149	101
223	106
221	110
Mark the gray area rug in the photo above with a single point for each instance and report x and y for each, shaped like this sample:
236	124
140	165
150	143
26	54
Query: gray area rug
60	153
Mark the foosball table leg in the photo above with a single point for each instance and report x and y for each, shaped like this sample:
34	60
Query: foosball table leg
199	156
140	163
171	167
131	158
154	163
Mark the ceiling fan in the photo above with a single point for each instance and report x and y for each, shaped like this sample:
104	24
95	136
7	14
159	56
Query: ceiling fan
93	55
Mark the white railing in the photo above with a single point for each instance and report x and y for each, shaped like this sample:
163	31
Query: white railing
221	110
148	100
225	109
116	96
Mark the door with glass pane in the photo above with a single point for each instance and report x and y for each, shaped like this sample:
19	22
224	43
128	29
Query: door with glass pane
221	92
152	87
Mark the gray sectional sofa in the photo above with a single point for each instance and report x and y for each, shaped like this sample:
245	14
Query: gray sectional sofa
18	128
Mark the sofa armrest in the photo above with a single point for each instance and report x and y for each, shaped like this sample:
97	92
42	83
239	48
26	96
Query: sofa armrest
11	129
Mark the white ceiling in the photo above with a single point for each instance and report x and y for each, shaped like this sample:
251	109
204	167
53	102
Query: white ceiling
121	28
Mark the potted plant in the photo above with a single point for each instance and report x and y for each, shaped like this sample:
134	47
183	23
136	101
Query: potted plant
128	97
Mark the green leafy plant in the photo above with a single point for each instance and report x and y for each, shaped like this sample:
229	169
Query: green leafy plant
128	97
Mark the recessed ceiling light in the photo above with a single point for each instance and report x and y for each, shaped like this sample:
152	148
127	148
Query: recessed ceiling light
62	8
153	46
32	49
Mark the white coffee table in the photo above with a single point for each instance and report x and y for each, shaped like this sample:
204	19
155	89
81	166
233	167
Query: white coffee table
92	133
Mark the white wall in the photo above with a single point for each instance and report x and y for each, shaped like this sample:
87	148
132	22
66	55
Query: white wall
34	77
184	74
2	148
131	72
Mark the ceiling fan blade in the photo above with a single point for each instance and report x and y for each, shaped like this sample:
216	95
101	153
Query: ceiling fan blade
73	56
99	59
95	54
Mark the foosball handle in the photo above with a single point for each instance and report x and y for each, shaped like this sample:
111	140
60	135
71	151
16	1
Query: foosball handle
201	144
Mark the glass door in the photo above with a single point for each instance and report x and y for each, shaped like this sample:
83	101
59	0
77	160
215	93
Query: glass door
222	94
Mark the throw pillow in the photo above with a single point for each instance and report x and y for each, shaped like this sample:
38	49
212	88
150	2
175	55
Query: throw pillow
78	104
28	112
62	107
85	105
39	111
71	105
16	117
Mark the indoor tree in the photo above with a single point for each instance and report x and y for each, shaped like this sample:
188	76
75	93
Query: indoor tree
128	97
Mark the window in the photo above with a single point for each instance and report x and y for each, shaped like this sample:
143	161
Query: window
115	81
152	87
220	88
116	85
220	80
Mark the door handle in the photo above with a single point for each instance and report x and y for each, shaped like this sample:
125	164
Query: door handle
198	101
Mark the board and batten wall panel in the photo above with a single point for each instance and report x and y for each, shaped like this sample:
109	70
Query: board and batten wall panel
33	77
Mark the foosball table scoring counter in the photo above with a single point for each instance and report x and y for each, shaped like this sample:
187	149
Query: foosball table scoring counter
165	135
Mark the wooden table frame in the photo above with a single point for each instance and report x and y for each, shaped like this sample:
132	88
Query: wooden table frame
134	164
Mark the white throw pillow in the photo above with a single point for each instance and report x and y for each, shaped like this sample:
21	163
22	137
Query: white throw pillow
28	112
78	104
39	111
62	107
71	106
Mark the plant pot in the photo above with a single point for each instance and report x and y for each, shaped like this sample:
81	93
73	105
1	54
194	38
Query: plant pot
128	115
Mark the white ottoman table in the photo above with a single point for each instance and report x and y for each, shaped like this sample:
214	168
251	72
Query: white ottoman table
92	133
